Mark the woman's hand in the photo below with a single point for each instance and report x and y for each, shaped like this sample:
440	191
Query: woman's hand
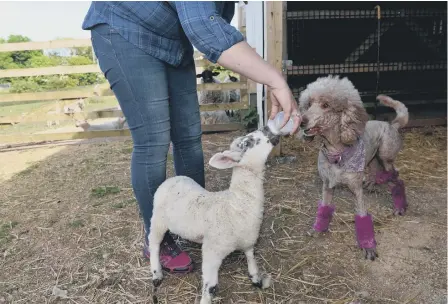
282	99
242	59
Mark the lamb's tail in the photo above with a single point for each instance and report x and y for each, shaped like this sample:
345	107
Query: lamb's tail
402	118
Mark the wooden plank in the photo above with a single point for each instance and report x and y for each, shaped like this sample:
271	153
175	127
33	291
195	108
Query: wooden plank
111	113
57	70
222	86
45	96
54	95
426	122
274	25
222	127
44	137
41	45
61	136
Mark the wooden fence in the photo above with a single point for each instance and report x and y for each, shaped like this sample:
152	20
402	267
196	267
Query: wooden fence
90	92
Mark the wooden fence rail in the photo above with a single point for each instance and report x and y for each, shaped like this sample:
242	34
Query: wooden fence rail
90	92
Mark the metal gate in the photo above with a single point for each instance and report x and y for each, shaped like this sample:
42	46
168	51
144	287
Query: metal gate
393	48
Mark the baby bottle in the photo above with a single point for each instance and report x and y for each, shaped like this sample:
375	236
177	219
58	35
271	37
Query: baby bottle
274	124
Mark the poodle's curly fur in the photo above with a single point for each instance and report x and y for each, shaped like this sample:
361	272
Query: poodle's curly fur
332	109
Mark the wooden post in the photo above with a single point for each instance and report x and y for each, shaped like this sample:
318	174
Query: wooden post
274	24
244	94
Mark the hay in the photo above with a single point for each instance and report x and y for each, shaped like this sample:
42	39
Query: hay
69	237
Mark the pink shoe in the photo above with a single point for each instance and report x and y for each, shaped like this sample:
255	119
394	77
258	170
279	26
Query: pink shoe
172	258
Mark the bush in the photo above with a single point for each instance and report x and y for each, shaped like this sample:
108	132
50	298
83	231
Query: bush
23	86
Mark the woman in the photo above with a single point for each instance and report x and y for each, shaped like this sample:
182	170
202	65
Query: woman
145	51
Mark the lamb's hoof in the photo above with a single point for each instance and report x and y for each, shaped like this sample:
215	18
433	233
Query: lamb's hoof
263	282
156	282
370	253
266	281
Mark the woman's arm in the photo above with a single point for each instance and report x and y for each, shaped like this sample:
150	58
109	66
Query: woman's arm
220	42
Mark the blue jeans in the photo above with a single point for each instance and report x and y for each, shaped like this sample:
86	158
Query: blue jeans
160	104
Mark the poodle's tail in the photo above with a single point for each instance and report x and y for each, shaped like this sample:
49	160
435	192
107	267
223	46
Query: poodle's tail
402	111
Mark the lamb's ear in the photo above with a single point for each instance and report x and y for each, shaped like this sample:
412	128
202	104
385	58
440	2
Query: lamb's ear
225	160
215	73
198	75
353	122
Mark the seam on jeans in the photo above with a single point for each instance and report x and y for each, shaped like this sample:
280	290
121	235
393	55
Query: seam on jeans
141	118
104	38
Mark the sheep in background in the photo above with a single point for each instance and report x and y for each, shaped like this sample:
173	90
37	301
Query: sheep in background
222	221
234	94
75	107
51	123
211	96
118	124
214	117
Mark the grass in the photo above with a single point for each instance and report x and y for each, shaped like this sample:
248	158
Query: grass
103	191
28	170
124	204
77	223
37	108
5	230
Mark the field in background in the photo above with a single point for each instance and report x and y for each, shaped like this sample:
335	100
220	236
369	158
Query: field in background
41	108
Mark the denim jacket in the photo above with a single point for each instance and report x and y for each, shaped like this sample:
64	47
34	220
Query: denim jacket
168	29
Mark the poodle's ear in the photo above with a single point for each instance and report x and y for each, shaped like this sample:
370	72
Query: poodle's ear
353	122
225	160
304	101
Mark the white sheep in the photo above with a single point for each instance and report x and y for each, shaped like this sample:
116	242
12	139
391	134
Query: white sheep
118	124
234	94
214	117
211	96
222	221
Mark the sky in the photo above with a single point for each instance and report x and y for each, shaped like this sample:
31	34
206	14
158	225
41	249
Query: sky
46	20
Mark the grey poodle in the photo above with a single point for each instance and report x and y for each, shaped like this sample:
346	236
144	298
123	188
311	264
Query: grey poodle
332	109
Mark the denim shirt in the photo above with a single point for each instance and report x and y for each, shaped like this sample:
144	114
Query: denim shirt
168	29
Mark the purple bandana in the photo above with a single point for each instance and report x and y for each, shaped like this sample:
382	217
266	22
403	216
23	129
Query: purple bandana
351	159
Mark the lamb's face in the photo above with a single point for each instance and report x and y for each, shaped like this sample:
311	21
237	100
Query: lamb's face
251	150
256	145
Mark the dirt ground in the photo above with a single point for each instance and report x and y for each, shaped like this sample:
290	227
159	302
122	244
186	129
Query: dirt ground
68	219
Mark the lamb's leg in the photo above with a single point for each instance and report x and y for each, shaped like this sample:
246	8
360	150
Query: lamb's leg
211	261
325	210
155	237
396	187
259	280
365	234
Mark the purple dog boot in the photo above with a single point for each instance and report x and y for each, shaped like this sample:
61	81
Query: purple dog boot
383	177
365	235
399	197
323	217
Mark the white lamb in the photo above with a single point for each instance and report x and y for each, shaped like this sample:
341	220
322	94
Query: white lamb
222	221
214	117
211	96
118	124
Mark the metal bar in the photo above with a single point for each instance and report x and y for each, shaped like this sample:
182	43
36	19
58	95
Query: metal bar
363	14
370	40
364	68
